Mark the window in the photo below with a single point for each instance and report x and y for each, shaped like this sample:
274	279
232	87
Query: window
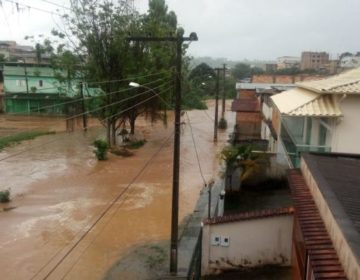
20	83
40	83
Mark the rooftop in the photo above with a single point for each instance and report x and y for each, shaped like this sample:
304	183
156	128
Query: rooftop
321	253
263	86
344	83
338	178
302	102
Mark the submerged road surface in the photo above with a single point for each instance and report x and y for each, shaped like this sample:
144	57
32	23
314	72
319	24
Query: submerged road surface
72	217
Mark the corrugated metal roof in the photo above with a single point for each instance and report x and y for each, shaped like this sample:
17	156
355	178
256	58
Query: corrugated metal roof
302	102
344	83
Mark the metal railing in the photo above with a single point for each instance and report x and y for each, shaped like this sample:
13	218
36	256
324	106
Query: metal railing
294	149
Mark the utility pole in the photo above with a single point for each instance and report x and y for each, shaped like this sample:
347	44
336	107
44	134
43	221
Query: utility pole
83	106
179	40
223	98
216	103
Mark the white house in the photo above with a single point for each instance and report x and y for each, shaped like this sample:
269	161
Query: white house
321	116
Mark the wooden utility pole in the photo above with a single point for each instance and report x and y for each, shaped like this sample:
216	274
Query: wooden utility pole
216	123
83	109
179	40
224	93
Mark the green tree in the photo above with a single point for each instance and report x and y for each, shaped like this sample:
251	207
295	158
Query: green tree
101	29
241	71
201	73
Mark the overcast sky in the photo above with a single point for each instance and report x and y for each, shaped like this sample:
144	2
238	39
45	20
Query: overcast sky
233	29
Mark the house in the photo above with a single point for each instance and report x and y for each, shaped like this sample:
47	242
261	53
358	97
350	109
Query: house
318	116
349	62
314	60
248	107
326	234
11	51
31	88
288	62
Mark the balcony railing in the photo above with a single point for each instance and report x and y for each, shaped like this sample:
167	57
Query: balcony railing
294	149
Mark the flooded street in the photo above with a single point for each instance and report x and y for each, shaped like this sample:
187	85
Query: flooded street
73	217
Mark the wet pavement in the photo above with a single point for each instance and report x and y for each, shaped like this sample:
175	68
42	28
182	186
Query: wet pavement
75	217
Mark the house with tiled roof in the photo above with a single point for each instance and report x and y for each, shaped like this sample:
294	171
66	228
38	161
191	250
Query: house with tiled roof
319	116
326	233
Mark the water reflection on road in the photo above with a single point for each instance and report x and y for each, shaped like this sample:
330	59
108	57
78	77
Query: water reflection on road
60	191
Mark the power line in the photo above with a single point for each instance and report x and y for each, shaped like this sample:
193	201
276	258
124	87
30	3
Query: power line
106	210
85	98
156	95
207	114
118	102
55	4
196	150
34	8
104	82
123	111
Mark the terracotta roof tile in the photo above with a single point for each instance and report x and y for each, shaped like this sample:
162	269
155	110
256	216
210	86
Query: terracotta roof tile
316	238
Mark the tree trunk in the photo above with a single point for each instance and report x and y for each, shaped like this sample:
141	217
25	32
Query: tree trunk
113	133
108	132
132	125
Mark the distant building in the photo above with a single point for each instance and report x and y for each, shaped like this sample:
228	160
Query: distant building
287	62
20	53
349	62
314	61
31	88
270	67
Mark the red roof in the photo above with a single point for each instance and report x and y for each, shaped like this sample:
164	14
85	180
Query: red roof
250	216
323	257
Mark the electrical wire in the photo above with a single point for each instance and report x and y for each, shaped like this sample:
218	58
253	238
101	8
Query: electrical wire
84	98
104	82
196	150
55	4
34	8
118	102
123	111
207	114
103	213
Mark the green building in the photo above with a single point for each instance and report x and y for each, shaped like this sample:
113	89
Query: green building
31	88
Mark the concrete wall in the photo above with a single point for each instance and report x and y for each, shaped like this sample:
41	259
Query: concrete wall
346	256
284	79
346	136
251	243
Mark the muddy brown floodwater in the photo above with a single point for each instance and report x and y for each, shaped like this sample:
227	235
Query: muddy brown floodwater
73	217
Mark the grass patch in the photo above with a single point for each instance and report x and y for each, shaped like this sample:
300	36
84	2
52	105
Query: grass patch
5	196
22	136
135	144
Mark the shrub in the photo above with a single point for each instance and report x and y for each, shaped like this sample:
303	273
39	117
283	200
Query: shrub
222	123
5	196
101	149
